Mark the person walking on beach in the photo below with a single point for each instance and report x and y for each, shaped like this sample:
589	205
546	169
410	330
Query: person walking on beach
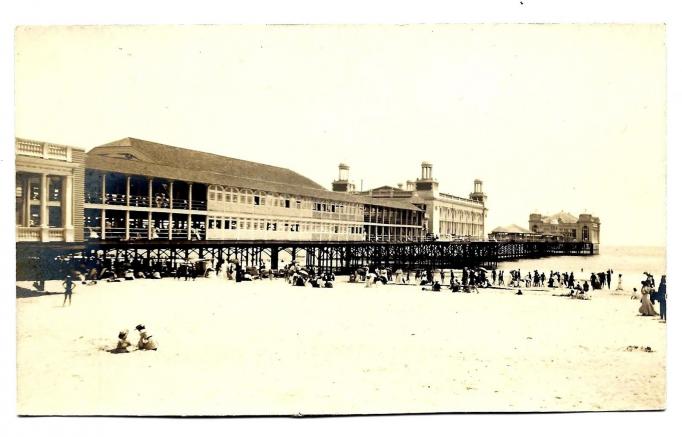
662	298
620	282
68	289
647	308
609	272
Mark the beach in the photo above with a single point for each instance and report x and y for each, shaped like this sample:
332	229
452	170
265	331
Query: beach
267	348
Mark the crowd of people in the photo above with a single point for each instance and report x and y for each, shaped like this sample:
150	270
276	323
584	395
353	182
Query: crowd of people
648	295
470	280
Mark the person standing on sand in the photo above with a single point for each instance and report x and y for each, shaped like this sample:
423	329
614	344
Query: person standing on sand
609	272
662	298
647	308
68	289
620	282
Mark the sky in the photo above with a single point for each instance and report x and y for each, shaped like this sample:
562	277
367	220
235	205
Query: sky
550	117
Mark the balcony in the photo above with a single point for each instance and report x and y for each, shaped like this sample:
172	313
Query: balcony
42	150
40	234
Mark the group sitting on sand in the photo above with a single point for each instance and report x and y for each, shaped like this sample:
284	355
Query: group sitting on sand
144	343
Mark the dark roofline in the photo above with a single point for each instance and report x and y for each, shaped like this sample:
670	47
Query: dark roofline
103	163
139	146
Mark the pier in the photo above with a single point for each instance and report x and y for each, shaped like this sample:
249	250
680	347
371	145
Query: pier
43	261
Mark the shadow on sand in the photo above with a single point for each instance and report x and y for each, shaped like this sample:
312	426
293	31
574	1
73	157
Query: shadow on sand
25	292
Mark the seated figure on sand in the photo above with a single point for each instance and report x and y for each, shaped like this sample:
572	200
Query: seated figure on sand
123	344
145	342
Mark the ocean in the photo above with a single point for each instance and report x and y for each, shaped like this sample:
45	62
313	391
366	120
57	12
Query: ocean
631	261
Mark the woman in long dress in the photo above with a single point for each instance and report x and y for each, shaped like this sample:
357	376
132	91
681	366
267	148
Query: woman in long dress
647	308
620	282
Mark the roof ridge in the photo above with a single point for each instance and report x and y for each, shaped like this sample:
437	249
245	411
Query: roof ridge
207	153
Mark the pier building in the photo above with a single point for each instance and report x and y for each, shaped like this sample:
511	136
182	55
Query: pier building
49	191
584	228
446	216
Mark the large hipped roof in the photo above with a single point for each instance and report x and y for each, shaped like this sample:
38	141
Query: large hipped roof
145	158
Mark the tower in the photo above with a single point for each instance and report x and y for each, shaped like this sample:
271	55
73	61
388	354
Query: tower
426	182
478	195
342	184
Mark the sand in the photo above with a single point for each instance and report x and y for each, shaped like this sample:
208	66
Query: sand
266	348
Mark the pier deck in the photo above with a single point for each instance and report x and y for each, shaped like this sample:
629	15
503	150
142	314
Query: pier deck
36	261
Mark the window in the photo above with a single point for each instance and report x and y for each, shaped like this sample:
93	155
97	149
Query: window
34	217
55	216
219	223
256	200
287	203
34	188
54	192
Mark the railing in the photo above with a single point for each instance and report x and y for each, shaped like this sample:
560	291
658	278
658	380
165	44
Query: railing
181	204
42	150
114	233
55	234
115	199
140	201
461	199
199	205
28	234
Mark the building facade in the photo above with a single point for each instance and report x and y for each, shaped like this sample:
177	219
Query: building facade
49	191
137	189
446	216
585	227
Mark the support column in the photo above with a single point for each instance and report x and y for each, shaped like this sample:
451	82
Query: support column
67	208
274	258
150	194
27	202
170	194
104	188
103	223
44	228
170	215
189	211
127	225
170	225
127	190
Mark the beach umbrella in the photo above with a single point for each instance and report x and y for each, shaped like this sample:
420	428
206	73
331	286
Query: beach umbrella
233	260
483	269
302	272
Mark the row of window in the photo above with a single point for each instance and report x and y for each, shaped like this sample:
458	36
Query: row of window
261	198
256	224
461	215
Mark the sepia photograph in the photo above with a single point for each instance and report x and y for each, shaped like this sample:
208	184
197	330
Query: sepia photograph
340	219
